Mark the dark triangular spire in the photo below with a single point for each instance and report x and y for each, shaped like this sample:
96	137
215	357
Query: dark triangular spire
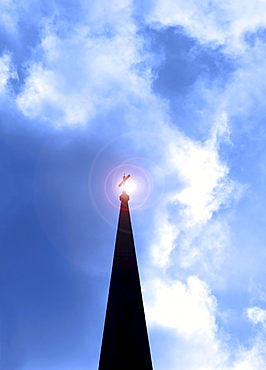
125	344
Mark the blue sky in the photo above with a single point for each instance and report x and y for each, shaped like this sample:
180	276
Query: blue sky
173	93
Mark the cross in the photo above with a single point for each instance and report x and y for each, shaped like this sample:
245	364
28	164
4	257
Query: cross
123	182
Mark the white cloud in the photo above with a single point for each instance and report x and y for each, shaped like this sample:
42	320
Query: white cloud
42	97
253	358
220	22
257	315
200	168
187	308
85	72
182	220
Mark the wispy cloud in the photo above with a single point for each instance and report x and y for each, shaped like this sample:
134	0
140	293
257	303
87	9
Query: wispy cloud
7	72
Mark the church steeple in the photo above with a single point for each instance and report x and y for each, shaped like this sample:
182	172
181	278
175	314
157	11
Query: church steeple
125	344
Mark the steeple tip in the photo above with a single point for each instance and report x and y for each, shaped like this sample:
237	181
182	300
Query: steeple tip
124	197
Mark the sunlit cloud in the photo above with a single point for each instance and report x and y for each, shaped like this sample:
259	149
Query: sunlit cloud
187	308
204	186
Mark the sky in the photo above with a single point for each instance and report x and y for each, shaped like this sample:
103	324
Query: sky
172	92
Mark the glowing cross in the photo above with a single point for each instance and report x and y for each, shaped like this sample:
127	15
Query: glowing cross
123	182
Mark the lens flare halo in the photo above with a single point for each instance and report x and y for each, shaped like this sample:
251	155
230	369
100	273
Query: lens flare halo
139	186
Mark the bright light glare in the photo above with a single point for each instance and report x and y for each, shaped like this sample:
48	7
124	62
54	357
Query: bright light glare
139	185
130	186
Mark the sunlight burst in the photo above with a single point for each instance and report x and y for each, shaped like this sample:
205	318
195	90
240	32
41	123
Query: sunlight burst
130	186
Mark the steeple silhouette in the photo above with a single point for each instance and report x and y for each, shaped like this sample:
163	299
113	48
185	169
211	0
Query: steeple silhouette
125	343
